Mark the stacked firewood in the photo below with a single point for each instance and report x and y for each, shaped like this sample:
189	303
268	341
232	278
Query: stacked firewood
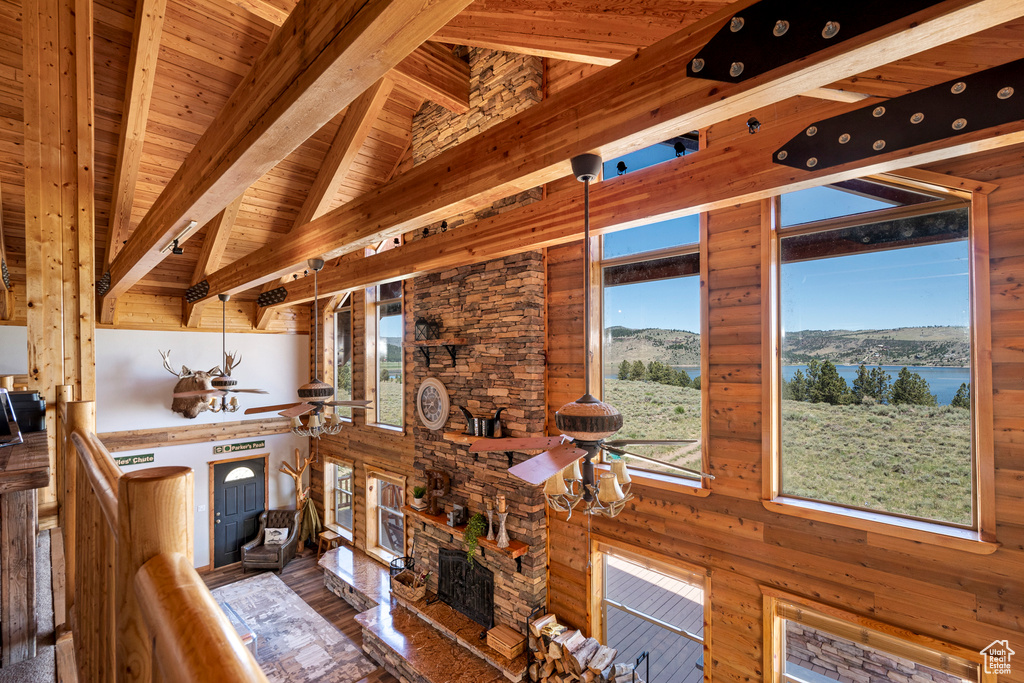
564	655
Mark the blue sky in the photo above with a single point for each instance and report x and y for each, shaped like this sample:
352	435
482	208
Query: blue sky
899	288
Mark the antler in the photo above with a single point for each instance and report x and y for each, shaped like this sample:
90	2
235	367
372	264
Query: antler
231	361
184	372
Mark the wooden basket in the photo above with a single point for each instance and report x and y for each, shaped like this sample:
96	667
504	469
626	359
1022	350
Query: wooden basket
402	586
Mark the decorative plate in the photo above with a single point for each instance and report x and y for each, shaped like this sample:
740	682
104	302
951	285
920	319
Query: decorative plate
432	403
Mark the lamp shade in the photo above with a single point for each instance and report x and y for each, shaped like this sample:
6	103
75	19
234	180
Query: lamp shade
608	490
555	486
588	419
618	468
573	471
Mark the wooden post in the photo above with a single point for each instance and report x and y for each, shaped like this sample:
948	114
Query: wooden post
79	415
155	510
18	575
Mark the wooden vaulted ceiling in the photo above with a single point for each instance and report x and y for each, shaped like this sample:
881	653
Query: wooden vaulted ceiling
201	50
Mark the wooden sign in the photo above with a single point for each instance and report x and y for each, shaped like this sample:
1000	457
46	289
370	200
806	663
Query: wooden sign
238	447
135	459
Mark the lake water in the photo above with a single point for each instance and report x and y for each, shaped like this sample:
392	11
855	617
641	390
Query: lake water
943	381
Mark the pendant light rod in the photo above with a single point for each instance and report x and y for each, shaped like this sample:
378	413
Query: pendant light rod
316	264
586	168
224	330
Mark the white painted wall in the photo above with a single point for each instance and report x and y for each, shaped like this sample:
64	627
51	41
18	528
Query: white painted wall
133	391
13	350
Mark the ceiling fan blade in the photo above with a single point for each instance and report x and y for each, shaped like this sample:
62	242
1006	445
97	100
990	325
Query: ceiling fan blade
271	409
197	392
540	468
529	443
652	461
300	409
350	404
647	442
248	391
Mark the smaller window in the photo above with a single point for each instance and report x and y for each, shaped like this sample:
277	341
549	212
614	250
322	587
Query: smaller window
340	511
239	473
385	494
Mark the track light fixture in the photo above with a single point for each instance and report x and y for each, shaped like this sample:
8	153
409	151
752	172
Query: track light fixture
680	148
753	125
176	250
621	167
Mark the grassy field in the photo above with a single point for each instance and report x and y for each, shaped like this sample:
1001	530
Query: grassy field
911	460
390	409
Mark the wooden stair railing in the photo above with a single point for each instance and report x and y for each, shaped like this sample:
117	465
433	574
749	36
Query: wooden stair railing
138	610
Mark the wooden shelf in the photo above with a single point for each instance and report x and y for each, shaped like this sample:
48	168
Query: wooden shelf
449	344
461	437
515	549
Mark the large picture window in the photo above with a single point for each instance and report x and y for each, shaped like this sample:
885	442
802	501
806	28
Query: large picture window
875	369
343	355
651	346
388	366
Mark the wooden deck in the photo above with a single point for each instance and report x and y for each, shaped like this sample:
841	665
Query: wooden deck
673	659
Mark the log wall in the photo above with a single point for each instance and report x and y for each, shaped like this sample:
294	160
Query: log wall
941	592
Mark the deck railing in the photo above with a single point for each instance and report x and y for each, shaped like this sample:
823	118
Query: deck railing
138	610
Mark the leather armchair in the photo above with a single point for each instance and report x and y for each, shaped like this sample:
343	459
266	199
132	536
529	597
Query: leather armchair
257	555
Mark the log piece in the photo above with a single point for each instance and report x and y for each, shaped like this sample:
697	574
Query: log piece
582	655
600	661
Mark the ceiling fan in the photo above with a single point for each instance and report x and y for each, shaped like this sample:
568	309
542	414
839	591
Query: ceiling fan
585	423
222	381
316	395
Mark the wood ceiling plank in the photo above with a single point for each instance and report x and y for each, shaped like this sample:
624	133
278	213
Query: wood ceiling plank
210	256
601	32
312	68
738	172
273	11
625	107
433	73
149	22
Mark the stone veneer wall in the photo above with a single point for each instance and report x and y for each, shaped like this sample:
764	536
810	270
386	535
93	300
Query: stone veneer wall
848	662
501	367
499	307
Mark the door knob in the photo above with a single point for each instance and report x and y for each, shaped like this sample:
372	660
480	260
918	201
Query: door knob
216	514
217	521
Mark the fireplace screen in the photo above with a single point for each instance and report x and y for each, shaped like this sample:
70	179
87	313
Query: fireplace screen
469	590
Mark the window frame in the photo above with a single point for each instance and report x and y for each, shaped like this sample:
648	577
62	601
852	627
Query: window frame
980	539
372	359
654	561
373	545
777	603
657	480
330	492
346	305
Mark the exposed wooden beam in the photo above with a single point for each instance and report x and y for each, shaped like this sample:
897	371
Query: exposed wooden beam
6	294
596	32
149	24
274	11
435	74
704	181
627	106
311	69
352	133
217	233
836	95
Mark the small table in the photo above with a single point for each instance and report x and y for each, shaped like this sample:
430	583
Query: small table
330	539
247	635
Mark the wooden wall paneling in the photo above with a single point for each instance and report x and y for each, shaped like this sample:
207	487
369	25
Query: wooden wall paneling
18	575
136	311
476	172
284	111
145	49
217	233
6	287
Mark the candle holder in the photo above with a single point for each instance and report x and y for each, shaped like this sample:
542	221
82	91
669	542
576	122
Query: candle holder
490	525
502	534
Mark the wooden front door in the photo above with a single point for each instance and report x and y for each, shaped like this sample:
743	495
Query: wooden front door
238	501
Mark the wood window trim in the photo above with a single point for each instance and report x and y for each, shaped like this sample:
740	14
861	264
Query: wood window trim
654	561
373	546
982	539
329	521
644	478
775	602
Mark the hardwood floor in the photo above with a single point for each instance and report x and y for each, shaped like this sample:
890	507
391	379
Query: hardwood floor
304	577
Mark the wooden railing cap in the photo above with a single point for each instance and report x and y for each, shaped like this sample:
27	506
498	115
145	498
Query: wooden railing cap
154	473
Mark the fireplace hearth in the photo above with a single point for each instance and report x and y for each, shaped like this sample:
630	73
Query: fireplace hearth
466	589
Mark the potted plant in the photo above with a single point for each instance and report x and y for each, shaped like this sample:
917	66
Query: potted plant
476	528
417	497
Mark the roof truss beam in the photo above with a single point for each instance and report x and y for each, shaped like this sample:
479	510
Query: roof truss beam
630	105
313	67
217	233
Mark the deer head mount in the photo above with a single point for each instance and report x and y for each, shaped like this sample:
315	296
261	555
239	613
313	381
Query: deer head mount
192	380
